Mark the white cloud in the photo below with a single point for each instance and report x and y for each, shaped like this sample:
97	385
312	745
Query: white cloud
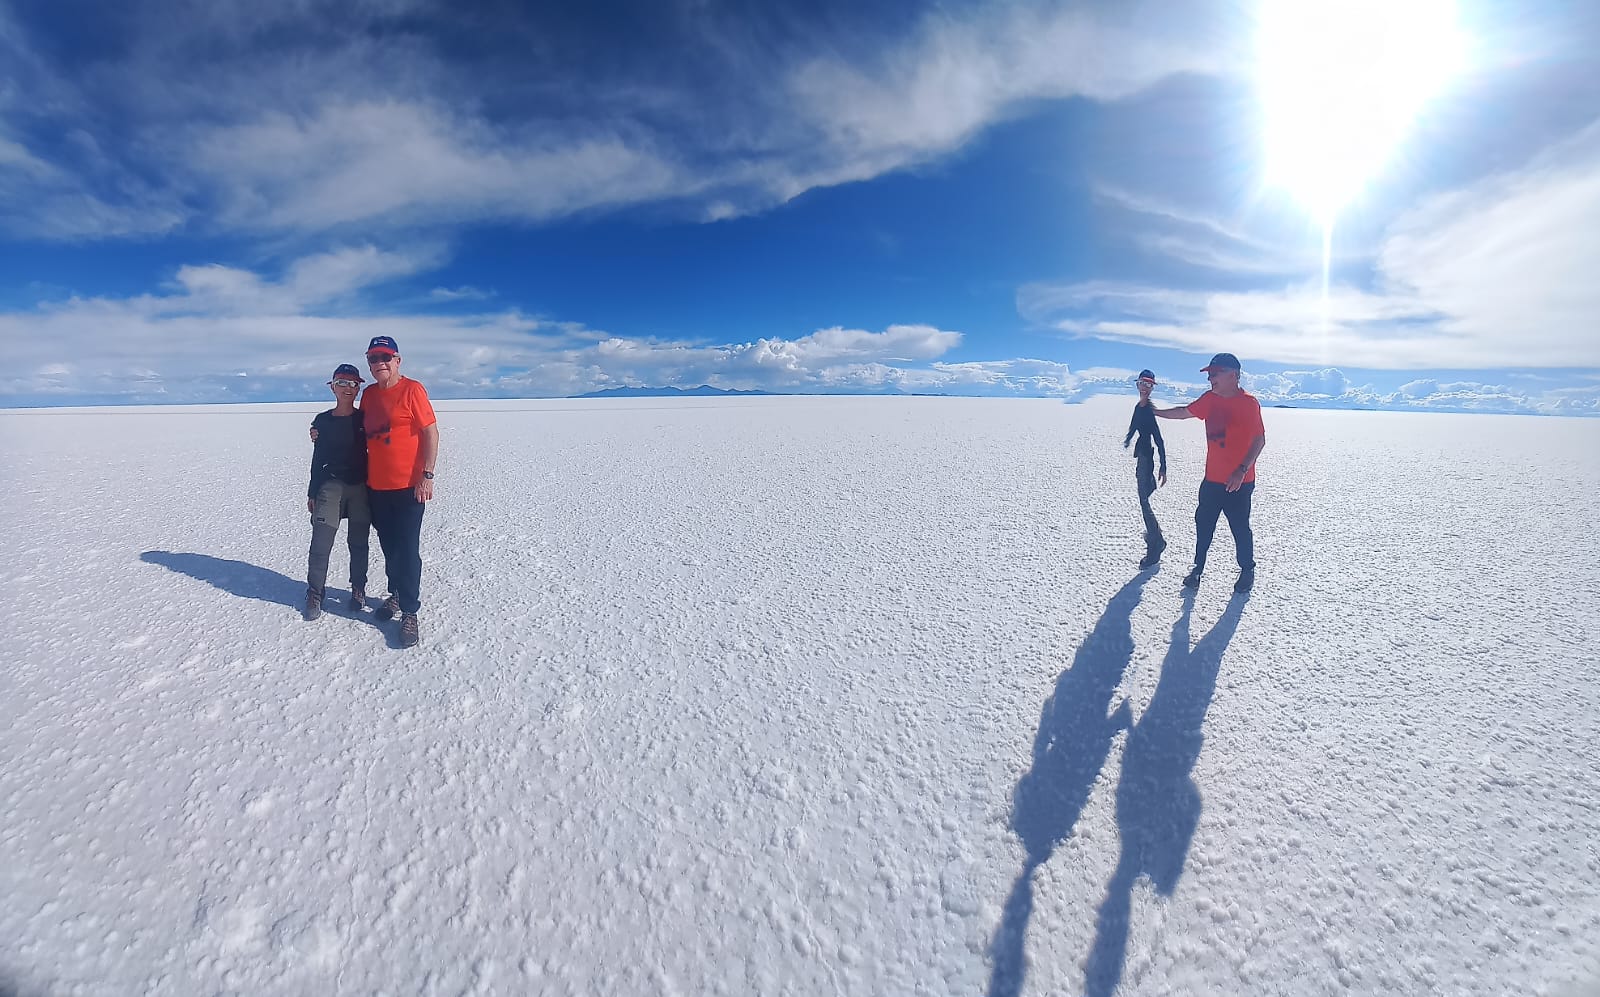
355	123
1293	325
228	334
408	163
956	77
1510	261
460	294
1496	274
223	332
1227	246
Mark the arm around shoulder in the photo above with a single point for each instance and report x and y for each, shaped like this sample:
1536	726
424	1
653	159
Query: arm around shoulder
1176	412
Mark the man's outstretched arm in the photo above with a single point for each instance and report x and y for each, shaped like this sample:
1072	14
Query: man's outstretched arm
1176	412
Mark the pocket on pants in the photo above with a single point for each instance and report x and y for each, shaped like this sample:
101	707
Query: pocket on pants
325	511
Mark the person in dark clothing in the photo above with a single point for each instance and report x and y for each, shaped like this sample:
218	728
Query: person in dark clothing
1144	424
338	491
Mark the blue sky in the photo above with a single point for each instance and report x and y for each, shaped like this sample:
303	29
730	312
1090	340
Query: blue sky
222	201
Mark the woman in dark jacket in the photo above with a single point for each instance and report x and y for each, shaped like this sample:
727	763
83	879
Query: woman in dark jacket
338	490
1144	423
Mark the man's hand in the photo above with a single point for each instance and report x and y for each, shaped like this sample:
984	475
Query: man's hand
311	505
1236	479
423	491
1161	479
313	434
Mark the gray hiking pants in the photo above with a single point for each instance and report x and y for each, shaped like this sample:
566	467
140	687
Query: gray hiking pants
337	500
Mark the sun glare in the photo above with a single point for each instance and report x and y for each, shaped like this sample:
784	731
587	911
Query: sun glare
1341	82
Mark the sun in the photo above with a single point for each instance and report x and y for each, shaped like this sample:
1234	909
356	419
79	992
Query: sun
1341	83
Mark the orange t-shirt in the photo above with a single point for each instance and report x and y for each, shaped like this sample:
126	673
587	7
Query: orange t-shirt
394	419
1231	424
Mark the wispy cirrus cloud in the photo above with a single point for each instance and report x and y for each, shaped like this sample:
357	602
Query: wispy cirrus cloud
1230	247
320	116
1494	274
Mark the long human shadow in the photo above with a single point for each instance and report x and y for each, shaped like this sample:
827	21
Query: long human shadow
247	581
1076	727
251	581
1158	803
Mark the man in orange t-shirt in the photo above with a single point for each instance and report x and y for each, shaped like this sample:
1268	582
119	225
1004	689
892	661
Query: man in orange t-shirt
402	446
1235	436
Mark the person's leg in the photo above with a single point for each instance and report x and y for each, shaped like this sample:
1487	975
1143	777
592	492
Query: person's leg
1147	487
1206	511
324	527
1237	510
381	504
357	534
406	572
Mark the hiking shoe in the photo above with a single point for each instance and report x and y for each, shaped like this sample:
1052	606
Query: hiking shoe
389	609
409	633
1192	579
1247	580
358	598
313	607
1152	556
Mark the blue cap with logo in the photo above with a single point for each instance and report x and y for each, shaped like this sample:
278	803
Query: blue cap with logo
1147	375
383	344
1222	361
346	372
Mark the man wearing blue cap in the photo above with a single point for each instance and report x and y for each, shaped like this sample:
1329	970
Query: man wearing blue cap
1144	423
402	446
1235	436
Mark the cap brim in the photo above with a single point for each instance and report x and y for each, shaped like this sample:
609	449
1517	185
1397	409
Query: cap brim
1207	370
384	350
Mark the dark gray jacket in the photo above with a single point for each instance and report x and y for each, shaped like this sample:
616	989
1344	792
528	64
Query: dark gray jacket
340	451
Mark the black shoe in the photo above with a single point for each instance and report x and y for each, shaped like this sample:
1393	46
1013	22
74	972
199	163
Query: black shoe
1192	579
409	632
1247	580
358	598
1150	559
313	604
387	611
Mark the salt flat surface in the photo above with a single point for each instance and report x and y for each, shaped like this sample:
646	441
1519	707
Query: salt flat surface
803	696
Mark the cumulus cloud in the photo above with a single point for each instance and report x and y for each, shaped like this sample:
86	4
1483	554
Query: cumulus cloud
223	333
228	334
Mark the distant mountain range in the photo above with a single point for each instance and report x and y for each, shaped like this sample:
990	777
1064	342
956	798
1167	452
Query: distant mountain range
702	390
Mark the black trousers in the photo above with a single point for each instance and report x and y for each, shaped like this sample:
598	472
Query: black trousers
1215	501
397	516
1147	487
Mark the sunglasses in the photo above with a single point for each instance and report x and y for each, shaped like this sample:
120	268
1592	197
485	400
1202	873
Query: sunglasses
377	358
340	382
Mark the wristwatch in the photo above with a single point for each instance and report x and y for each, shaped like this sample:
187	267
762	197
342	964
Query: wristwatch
427	475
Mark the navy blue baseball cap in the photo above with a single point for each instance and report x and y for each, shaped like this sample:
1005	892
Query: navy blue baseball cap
383	344
1147	375
1222	361
348	372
